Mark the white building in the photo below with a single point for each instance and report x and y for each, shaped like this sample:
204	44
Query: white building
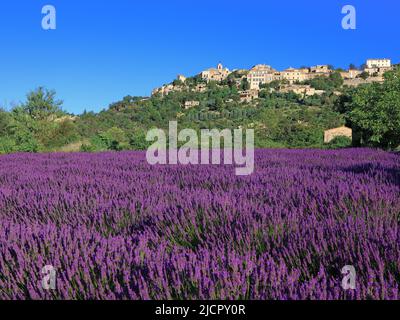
378	63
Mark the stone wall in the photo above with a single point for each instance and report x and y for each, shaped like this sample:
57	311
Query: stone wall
338	132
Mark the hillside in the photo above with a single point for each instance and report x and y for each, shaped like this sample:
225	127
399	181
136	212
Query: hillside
281	118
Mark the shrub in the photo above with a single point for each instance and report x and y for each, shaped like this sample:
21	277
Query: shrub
7	145
339	143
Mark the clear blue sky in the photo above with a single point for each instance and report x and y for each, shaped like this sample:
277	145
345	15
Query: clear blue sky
103	50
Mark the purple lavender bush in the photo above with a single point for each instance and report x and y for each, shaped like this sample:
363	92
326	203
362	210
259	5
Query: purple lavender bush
115	227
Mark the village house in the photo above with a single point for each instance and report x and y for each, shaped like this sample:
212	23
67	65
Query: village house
181	78
303	90
157	91
191	104
201	87
378	72
218	74
320	69
248	95
293	75
331	134
350	74
166	89
372	71
163	91
260	74
377	67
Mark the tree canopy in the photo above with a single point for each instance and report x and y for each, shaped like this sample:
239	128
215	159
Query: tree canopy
374	111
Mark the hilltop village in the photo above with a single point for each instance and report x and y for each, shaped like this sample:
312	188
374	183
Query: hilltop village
309	84
289	80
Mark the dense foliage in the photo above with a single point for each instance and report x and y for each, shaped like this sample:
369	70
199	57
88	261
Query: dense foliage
374	111
333	82
116	228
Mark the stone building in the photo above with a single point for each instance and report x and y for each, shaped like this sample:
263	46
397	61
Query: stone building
260	74
303	90
377	72
218	74
350	74
201	87
181	78
337	132
191	104
320	69
165	90
377	67
293	75
248	95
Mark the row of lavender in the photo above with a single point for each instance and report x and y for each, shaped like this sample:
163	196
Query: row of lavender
114	227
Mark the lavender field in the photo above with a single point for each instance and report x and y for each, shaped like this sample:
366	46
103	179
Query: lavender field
116	228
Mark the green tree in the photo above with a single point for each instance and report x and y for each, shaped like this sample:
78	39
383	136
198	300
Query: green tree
333	82
115	139
364	75
4	122
374	111
24	139
61	134
7	145
137	139
245	85
22	129
42	103
352	66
